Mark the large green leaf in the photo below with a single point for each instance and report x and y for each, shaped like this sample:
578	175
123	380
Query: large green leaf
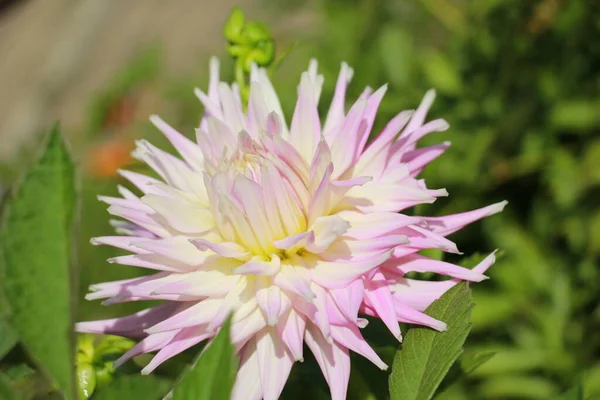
426	355
135	387
213	375
35	241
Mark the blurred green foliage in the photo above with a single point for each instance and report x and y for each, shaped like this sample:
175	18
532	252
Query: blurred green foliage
519	83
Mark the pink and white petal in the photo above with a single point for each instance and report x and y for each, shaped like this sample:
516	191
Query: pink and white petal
149	344
349	336
245	329
274	362
248	384
409	315
407	143
326	230
233	114
375	196
333	359
152	261
141	219
419	158
291	328
184	339
373	160
349	299
133	204
373	225
335	115
132	325
270	97
120	242
257	265
224	249
305	131
189	150
449	224
182	215
177	247
197	314
336	275
343	148
142	182
379	296
131	229
420	294
418	263
421	113
369	117
295	280
200	284
422	238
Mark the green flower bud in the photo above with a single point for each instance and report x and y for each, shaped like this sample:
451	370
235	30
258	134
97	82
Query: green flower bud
234	25
262	55
104	373
254	32
237	51
85	349
86	380
111	346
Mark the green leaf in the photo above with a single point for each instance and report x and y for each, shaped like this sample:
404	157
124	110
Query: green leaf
441	73
213	375
576	115
135	387
575	393
6	391
426	355
396	49
518	387
8	338
35	240
470	362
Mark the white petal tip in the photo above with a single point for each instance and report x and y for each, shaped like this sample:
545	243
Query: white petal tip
430	94
499	207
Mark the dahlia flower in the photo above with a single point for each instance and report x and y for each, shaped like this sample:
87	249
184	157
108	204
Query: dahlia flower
293	231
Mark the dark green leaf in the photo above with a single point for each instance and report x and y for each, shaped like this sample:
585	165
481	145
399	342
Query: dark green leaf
426	355
213	375
134	387
35	242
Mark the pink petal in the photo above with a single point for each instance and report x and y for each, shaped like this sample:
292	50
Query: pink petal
380	298
449	224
